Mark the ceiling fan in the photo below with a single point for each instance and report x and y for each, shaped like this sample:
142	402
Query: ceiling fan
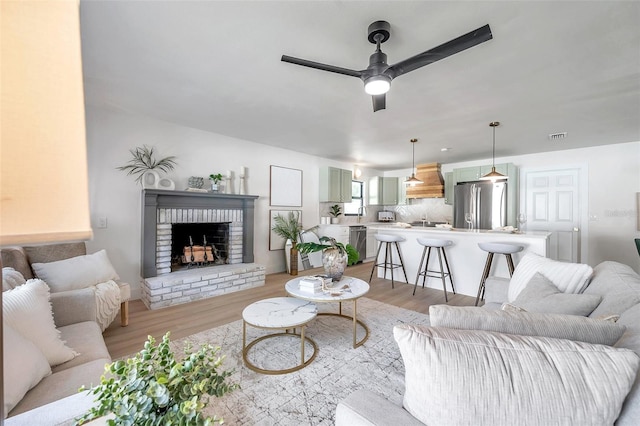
378	75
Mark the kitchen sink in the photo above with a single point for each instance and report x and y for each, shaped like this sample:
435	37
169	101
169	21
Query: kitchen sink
426	224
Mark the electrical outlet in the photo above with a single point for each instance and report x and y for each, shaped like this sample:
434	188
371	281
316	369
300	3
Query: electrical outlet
102	222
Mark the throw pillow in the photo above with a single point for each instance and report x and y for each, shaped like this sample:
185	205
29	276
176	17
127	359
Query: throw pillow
462	377
568	277
24	367
11	278
26	308
76	272
527	324
540	295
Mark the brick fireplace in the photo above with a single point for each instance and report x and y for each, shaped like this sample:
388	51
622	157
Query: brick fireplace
226	218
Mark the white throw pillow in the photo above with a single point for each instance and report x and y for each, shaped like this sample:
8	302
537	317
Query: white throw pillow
27	309
462	377
11	278
24	366
568	277
76	272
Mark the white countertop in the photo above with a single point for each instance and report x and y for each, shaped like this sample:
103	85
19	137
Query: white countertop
459	231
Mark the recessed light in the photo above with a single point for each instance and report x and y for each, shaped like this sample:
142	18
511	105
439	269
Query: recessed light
445	149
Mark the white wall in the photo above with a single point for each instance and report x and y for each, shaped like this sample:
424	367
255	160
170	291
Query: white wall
110	136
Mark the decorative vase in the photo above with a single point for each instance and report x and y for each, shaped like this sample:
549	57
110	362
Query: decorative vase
335	220
334	262
293	261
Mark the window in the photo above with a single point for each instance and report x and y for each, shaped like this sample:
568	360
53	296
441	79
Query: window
357	199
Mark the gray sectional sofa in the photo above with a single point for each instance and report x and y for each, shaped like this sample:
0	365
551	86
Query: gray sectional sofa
465	370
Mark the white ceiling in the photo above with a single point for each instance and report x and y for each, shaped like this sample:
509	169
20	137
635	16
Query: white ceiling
551	67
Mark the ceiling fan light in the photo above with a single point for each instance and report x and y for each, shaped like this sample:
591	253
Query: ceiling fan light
377	85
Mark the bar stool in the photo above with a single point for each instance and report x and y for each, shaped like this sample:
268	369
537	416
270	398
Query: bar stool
388	241
439	245
496	248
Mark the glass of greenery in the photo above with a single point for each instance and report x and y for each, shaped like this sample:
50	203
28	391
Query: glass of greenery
153	388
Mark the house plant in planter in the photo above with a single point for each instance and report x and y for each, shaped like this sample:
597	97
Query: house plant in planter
143	160
335	255
289	229
335	212
215	179
153	388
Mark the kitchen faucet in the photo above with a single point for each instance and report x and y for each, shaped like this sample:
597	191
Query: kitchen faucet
361	212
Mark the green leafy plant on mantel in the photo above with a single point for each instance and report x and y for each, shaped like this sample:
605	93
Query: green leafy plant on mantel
153	388
215	178
331	243
143	159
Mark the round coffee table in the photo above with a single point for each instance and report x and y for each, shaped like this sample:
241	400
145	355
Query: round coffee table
347	289
279	313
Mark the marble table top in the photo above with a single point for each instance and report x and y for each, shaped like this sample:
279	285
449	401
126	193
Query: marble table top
279	312
348	288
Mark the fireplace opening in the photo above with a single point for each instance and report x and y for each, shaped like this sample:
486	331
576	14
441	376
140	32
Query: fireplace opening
199	244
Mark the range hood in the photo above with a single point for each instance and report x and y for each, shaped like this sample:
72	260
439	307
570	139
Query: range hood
433	184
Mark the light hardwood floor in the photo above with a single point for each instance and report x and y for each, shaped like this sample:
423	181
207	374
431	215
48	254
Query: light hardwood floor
190	318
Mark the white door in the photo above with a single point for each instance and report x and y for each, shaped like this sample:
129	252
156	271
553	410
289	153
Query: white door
552	204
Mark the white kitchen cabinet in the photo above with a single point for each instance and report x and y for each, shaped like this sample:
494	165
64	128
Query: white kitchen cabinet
335	185
383	191
448	188
372	245
339	232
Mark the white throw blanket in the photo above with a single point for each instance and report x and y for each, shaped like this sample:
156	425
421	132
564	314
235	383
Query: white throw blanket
107	303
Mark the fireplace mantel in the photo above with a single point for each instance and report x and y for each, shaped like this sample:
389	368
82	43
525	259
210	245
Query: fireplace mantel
154	199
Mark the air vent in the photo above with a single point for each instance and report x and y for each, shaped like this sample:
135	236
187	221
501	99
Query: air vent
557	136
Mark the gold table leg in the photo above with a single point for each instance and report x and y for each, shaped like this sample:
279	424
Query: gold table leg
355	320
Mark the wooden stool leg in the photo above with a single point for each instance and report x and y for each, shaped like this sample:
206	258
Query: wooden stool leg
444	254
419	270
485	274
510	264
124	313
444	285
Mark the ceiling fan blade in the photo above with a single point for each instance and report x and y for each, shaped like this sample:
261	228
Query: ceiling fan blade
449	48
379	102
319	66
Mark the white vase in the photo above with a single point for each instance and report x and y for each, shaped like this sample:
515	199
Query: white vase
335	220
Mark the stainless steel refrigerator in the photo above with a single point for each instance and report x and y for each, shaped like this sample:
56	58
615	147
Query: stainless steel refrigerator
486	201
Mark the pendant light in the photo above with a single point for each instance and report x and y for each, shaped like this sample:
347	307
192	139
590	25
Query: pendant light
493	175
413	180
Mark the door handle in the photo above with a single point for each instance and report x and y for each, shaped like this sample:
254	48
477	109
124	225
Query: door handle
575	229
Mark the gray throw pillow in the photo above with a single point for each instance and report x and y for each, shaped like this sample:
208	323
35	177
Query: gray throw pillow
558	326
463	377
541	295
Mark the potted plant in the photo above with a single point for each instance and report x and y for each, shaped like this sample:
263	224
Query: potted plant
154	388
335	211
215	179
335	255
289	229
143	160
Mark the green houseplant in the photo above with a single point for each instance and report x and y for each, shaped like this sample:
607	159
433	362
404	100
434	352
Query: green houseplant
335	211
153	388
289	228
215	179
143	159
335	255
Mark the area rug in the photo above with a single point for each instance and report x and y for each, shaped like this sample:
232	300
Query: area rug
310	396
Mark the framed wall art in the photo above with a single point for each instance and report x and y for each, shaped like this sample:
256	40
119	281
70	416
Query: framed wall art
285	187
275	241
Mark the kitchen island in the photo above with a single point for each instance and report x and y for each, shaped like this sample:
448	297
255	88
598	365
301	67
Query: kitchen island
466	259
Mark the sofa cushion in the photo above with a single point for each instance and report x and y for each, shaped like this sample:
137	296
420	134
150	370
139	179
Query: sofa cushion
630	414
24	366
26	308
86	338
540	295
77	272
618	285
11	279
448	381
568	277
527	324
366	408
62	384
